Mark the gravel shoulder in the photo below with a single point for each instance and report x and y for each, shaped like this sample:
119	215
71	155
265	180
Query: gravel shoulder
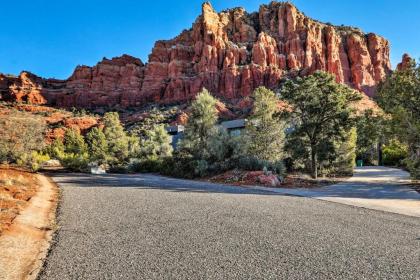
152	227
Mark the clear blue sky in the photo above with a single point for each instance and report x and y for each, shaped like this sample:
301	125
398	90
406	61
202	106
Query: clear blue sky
51	37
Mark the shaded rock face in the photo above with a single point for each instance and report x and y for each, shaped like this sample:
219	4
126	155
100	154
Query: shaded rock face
230	53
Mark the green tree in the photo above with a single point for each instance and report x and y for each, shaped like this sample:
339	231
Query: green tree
74	142
265	130
55	149
342	155
98	145
399	96
74	156
118	141
320	112
157	144
370	132
201	125
194	153
133	146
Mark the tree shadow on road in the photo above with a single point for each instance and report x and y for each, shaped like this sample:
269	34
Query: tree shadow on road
150	181
353	189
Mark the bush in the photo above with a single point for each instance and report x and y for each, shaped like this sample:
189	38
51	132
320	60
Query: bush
21	133
33	161
147	166
250	163
413	166
394	153
75	162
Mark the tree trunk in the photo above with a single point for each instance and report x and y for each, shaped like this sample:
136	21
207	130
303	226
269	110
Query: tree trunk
314	163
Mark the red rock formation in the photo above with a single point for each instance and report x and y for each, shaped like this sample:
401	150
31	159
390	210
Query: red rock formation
405	63
230	53
27	87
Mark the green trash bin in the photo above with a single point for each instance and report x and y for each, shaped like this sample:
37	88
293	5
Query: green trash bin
359	163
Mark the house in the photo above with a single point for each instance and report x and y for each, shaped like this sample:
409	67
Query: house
176	133
234	127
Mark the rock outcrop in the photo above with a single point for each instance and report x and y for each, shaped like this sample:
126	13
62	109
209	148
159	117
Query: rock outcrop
405	63
230	53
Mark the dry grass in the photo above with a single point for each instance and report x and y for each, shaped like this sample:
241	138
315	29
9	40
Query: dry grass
16	189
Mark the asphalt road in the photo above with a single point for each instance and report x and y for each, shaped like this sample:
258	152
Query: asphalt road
149	227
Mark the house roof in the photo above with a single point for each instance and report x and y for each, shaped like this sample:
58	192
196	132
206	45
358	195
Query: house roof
175	129
239	123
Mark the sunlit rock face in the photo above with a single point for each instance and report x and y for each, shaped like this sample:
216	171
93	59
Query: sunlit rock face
230	53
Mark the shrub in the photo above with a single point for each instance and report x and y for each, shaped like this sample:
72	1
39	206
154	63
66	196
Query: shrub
413	166
394	153
21	133
75	162
250	163
33	160
147	165
157	144
37	159
200	167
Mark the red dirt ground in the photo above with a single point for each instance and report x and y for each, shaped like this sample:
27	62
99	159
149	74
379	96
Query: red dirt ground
16	189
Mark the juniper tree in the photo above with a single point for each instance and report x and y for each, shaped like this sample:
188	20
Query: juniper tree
74	142
194	153
399	95
98	145
321	112
201	125
265	129
118	142
157	144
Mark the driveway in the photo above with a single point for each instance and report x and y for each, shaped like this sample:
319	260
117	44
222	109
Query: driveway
151	227
379	188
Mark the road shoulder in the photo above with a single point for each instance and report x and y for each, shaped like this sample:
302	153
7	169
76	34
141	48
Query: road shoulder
24	246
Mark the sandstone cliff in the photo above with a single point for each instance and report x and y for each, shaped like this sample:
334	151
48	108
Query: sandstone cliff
230	53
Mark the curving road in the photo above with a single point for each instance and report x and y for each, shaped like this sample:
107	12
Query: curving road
151	227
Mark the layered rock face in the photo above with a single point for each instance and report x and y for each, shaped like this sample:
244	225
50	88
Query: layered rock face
230	53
